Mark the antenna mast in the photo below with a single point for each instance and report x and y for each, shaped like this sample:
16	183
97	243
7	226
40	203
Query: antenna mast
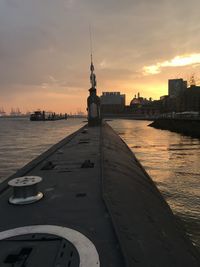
91	50
92	75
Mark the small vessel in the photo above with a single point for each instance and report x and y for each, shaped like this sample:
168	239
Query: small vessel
47	116
37	116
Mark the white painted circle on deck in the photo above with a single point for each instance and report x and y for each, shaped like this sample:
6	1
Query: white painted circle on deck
86	249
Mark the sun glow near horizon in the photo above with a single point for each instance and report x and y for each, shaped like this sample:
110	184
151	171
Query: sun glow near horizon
154	90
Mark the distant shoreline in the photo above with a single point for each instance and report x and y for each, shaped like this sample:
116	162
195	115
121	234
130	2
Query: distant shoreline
10	116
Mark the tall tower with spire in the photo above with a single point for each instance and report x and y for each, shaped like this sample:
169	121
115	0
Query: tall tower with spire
93	101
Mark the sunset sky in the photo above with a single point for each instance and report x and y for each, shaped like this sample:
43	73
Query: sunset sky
137	45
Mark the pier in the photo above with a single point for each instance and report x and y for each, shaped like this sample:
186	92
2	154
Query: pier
99	208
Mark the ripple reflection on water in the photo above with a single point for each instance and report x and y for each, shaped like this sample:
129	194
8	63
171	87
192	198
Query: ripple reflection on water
172	161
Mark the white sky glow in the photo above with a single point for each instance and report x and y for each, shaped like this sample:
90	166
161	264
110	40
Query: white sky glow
178	61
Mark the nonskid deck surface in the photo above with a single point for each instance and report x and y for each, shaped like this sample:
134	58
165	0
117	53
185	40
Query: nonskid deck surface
100	208
72	199
149	233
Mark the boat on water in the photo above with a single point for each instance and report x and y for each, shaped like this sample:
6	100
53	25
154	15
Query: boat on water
47	116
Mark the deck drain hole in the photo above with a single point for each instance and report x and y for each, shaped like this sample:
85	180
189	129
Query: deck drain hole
49	165
83	142
81	195
87	164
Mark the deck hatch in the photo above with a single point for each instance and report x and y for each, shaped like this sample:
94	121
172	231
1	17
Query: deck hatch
87	253
41	250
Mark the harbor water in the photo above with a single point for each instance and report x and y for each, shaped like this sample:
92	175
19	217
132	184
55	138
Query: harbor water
172	160
21	140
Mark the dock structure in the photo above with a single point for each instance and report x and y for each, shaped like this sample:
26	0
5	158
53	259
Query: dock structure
185	126
99	208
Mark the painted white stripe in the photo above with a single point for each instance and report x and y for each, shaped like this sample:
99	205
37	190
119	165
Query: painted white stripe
87	252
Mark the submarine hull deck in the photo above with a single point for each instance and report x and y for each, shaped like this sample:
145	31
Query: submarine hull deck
100	208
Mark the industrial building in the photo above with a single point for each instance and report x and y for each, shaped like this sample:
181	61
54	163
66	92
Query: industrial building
112	102
176	87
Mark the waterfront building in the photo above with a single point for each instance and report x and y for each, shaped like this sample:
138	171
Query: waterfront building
176	87
169	104
138	101
180	99
189	100
112	102
140	106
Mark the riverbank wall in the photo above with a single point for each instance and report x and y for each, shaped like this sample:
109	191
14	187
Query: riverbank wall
183	126
129	116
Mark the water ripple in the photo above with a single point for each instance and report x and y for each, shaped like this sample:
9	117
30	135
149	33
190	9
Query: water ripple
172	160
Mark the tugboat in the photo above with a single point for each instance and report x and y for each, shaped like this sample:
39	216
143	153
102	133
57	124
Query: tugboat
37	116
47	116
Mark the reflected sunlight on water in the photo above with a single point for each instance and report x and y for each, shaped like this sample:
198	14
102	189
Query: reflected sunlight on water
172	161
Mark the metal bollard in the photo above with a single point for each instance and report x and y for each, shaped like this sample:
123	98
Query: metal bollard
25	190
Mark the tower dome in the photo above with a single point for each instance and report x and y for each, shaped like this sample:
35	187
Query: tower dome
135	101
